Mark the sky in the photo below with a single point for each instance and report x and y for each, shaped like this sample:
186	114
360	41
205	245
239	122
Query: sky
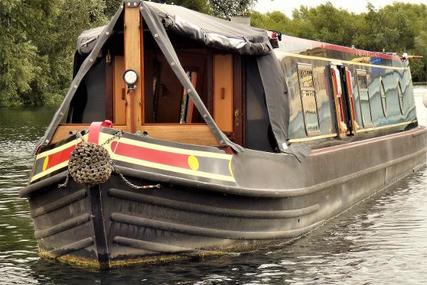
357	6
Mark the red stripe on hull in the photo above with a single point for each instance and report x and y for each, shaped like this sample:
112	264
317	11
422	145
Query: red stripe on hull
59	157
152	155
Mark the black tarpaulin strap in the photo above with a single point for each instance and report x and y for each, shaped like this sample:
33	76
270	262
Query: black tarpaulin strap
84	68
160	35
276	97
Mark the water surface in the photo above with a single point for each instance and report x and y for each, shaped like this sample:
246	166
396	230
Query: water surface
382	241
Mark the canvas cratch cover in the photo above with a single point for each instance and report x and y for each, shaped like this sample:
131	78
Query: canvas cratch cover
162	19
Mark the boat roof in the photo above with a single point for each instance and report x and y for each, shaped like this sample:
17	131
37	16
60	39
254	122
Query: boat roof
223	34
300	45
209	30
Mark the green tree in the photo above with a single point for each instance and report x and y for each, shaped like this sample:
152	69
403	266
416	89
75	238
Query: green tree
276	21
37	45
20	63
419	65
197	5
325	23
398	28
71	19
111	7
229	8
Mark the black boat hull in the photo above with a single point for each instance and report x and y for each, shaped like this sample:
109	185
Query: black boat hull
114	225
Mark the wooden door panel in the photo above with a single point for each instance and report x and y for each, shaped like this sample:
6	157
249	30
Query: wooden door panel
223	92
119	97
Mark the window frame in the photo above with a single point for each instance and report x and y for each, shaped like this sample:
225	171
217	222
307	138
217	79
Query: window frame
308	67
400	97
383	97
363	73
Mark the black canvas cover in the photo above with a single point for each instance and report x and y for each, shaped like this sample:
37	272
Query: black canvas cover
212	32
276	97
209	30
87	40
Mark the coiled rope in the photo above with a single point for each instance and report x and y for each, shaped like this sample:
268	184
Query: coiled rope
90	164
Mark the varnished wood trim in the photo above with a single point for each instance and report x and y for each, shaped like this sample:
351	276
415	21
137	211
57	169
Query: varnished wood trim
299	140
199	134
223	91
132	43
63	132
119	98
386	127
307	139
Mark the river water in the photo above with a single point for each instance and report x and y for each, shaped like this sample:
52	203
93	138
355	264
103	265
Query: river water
382	241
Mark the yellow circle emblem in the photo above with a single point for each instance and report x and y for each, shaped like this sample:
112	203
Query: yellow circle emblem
45	162
193	162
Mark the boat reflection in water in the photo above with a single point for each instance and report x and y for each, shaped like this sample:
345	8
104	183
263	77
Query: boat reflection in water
185	135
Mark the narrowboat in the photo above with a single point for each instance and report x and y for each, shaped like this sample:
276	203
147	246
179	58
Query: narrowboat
184	135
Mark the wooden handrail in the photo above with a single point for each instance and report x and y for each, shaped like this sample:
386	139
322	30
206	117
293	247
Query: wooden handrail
199	134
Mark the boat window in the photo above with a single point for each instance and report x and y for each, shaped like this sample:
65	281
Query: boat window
400	96
365	104
383	95
308	98
166	101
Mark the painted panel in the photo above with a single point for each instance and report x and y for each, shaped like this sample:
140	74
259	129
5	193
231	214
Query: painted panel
363	104
368	100
323	96
307	92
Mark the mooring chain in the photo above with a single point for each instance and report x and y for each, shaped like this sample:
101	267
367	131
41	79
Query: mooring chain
117	135
90	164
125	180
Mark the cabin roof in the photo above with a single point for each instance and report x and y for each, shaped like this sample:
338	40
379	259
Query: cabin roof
299	45
211	31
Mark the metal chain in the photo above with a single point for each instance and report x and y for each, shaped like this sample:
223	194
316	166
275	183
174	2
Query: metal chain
124	179
117	135
134	186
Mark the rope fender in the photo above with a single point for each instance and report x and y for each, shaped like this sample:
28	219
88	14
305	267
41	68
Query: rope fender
90	163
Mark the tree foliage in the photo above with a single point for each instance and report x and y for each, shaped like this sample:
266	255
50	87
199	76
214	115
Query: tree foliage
397	28
229	8
37	45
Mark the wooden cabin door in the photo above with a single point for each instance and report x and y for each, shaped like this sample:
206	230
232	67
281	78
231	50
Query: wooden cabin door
227	95
343	100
